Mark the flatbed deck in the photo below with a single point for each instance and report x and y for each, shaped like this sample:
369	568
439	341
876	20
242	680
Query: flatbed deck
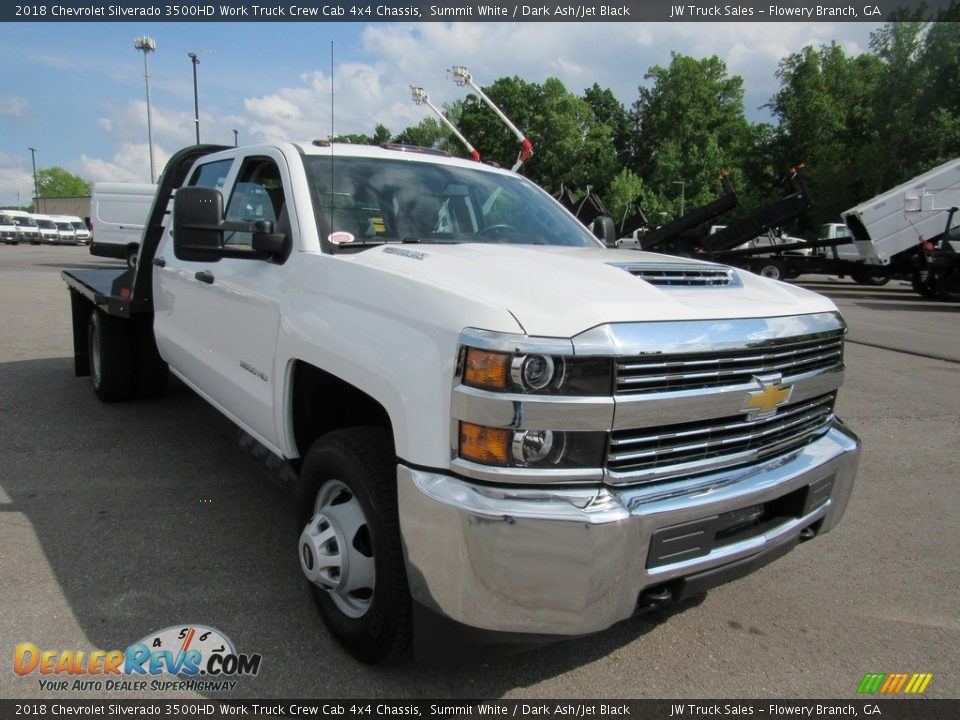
110	289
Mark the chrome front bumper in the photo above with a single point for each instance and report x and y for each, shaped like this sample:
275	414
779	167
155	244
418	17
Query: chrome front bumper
570	561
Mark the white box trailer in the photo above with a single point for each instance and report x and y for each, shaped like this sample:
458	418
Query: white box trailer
897	221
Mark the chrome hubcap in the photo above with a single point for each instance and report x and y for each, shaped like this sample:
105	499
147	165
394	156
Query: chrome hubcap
336	549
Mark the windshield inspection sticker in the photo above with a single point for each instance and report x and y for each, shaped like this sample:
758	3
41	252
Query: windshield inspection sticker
340	237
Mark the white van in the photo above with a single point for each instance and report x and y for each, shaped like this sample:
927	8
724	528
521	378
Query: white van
119	212
72	229
48	229
27	230
8	229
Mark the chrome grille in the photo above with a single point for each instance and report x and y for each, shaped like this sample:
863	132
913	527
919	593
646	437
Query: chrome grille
658	373
684	275
678	445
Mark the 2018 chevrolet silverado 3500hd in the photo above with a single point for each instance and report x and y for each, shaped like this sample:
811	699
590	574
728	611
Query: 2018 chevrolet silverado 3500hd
495	419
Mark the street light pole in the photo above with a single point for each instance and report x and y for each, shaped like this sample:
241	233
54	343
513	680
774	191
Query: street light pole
36	187
682	194
196	99
148	45
236	135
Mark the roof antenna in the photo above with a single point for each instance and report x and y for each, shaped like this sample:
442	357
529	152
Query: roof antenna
331	91
332	226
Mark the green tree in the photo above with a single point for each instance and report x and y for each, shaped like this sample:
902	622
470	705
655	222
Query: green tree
57	182
570	145
689	127
826	106
380	136
628	194
610	112
428	133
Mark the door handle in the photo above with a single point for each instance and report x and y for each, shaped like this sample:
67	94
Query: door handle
204	276
159	262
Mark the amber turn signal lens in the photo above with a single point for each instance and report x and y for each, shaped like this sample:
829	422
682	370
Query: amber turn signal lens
486	445
485	369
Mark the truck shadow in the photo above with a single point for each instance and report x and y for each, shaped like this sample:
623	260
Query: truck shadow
150	515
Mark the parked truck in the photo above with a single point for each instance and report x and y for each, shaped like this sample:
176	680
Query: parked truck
893	231
496	421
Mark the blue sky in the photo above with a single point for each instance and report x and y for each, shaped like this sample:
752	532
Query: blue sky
76	91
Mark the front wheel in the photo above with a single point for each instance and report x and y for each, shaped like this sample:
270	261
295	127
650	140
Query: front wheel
349	547
132	254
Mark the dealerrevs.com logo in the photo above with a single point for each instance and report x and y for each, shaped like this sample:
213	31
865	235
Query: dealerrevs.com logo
202	658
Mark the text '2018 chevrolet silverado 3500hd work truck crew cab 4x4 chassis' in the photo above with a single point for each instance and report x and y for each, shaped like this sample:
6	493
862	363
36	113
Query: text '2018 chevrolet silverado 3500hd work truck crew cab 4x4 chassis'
495	419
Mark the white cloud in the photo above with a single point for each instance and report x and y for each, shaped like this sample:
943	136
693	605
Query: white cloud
12	105
394	56
131	163
15	178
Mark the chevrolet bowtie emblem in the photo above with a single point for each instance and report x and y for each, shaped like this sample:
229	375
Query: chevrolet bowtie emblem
771	395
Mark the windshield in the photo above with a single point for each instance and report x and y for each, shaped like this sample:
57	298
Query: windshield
79	226
370	201
46	224
25	221
6	220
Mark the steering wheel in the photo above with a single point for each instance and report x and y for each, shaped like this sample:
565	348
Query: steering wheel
499	229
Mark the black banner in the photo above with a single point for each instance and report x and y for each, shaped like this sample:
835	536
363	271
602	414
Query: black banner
885	709
468	10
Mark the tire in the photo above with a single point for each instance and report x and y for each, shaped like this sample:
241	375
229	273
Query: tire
348	498
772	269
875	278
949	286
131	256
111	357
921	288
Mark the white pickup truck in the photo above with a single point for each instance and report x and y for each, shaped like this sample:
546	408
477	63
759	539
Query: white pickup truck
495	419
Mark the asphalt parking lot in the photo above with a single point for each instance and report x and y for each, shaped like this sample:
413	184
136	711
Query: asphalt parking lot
119	520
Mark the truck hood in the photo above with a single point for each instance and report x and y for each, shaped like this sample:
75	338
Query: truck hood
561	292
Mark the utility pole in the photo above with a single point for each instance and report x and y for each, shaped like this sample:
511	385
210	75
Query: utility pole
682	194
196	98
147	44
36	187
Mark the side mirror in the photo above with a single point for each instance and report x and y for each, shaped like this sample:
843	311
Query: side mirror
604	228
197	219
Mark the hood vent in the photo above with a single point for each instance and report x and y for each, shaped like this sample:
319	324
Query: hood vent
685	276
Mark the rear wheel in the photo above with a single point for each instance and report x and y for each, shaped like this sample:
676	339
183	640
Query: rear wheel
349	548
922	287
769	268
111	357
949	286
132	253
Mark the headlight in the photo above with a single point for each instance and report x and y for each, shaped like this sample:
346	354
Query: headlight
530	448
537	373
